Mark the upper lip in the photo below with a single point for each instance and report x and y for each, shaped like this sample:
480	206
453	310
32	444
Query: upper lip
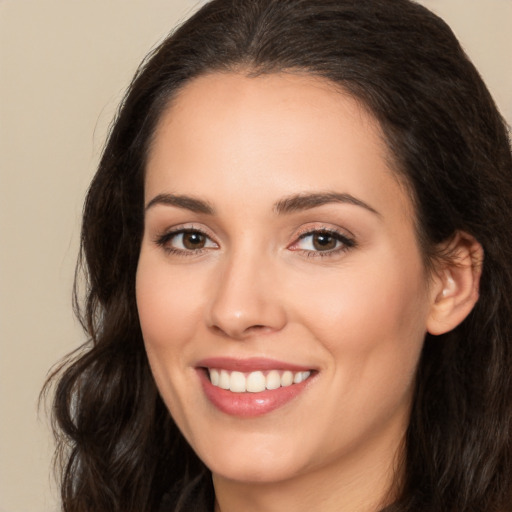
250	364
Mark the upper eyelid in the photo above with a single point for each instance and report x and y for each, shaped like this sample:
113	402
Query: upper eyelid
164	236
343	232
335	234
299	234
317	231
165	241
344	236
184	228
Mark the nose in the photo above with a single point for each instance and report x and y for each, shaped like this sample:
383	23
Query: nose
245	301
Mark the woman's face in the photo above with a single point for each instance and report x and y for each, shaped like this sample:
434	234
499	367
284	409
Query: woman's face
279	247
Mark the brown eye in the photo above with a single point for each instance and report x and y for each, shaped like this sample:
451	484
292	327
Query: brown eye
193	240
324	242
186	241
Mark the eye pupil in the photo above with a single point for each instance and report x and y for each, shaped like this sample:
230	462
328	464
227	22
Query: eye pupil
324	241
194	240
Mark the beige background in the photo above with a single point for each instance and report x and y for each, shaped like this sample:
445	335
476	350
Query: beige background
63	67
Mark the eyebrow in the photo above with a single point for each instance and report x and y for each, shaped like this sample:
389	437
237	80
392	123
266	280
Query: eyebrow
307	201
294	203
188	203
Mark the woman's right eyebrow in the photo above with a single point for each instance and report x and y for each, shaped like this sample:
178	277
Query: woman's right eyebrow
189	203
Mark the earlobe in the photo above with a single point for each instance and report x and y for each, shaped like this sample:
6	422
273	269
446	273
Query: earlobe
456	283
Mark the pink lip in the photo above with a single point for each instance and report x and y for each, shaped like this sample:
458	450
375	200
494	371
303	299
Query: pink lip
249	365
248	405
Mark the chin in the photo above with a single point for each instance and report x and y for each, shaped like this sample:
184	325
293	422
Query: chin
253	471
257	463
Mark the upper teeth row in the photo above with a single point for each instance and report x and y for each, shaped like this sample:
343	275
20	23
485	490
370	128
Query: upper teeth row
255	382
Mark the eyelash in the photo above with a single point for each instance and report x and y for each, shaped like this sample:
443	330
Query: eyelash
164	240
346	242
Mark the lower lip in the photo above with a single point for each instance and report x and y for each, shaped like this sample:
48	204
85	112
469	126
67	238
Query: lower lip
249	405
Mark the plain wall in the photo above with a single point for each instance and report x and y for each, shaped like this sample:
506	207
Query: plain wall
63	68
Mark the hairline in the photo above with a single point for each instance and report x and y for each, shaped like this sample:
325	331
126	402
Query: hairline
398	172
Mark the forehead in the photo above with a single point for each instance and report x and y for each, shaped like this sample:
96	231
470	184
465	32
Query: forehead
269	135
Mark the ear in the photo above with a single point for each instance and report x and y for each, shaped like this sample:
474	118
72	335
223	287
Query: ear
456	280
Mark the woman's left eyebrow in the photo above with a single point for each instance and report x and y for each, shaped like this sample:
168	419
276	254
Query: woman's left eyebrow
306	201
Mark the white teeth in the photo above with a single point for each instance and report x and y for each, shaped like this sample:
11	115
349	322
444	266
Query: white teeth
300	376
273	380
287	379
237	382
224	380
214	377
255	382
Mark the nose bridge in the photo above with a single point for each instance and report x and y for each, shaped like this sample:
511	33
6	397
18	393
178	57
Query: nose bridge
244	300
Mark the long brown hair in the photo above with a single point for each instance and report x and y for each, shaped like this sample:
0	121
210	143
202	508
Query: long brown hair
121	450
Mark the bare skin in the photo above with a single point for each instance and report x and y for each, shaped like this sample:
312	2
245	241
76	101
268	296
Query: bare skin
235	263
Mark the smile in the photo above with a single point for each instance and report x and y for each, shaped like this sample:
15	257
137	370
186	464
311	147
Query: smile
255	381
252	387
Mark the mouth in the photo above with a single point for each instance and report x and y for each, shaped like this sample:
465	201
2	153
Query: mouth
255	381
252	387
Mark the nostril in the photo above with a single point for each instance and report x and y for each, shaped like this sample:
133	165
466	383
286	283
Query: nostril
242	332
258	328
217	329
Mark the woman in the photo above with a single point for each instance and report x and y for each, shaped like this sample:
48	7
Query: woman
297	249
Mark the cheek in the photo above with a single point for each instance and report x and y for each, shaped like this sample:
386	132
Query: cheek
169	307
168	304
370	318
371	326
